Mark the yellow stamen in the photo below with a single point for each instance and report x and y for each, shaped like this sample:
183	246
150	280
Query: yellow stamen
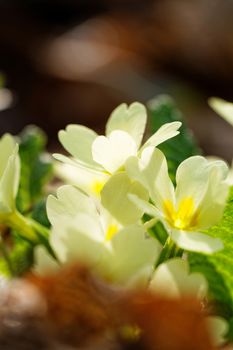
111	231
183	217
97	186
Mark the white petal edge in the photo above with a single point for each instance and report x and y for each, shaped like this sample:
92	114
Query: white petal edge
114	197
218	328
43	261
145	206
173	279
88	180
131	119
196	241
68	203
164	133
112	152
223	108
78	140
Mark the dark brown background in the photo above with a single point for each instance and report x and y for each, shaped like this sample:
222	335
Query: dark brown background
75	60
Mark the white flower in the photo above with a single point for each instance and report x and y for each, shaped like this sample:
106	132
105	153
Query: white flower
81	232
108	154
173	279
196	204
114	197
9	174
218	329
91	182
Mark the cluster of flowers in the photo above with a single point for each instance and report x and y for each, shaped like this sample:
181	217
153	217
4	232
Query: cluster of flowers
99	217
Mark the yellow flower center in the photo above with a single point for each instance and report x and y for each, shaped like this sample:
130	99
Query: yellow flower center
97	186
184	217
111	231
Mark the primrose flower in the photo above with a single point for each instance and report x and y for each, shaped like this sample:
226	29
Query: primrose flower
91	182
196	204
82	232
9	174
173	279
108	154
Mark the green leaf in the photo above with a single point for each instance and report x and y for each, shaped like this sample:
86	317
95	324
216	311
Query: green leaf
36	168
158	231
230	331
163	110
39	213
218	268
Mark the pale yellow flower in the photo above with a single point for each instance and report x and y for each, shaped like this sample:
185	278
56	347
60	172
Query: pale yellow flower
194	205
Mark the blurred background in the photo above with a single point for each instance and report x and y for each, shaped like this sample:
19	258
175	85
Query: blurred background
73	61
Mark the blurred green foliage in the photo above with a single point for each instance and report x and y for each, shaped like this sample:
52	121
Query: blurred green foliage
162	109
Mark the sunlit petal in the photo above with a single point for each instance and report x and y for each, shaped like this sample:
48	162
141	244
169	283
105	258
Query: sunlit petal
78	140
132	252
114	197
173	279
79	238
9	182
196	241
165	132
89	180
130	119
223	108
69	202
111	152
212	206
192	179
145	206
151	170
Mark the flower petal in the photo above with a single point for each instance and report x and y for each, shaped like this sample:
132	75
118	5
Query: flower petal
223	108
132	252
196	242
77	140
65	159
151	170
218	329
43	261
165	132
9	182
7	146
81	241
114	198
69	202
145	206
213	203
112	151
130	119
88	180
173	279
192	179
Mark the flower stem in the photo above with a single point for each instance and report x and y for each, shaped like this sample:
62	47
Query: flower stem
6	257
21	224
27	227
168	252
